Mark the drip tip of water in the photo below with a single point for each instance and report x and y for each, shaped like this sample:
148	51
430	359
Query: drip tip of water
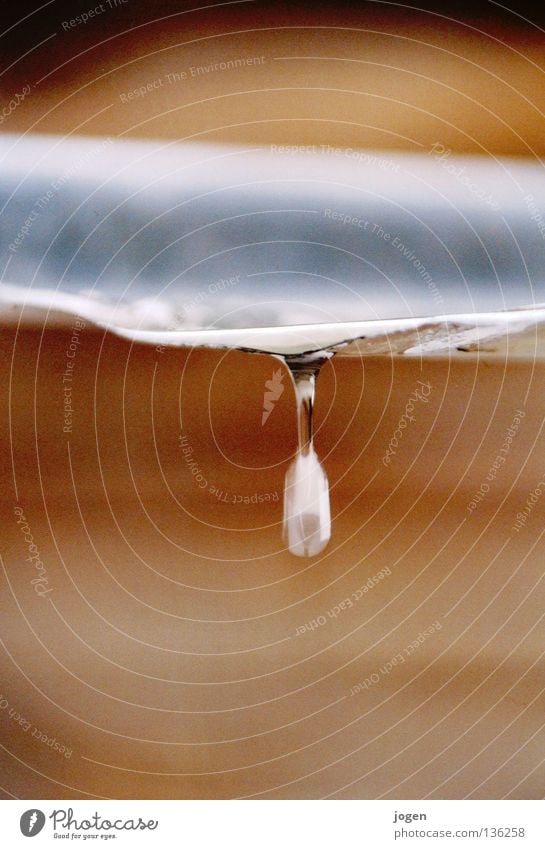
307	516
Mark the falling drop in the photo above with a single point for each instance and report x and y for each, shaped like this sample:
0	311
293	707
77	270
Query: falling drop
307	515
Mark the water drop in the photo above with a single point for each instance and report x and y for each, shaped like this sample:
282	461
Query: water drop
307	514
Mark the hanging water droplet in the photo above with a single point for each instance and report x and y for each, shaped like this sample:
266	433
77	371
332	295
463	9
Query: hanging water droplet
307	515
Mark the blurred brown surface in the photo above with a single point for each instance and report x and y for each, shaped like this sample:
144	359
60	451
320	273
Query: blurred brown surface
166	656
468	76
